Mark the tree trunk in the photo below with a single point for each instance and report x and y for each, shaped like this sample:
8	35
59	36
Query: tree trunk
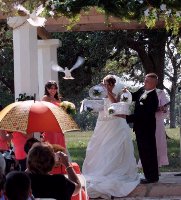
152	53
172	110
172	99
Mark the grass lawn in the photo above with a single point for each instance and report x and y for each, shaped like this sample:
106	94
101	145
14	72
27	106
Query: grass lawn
77	143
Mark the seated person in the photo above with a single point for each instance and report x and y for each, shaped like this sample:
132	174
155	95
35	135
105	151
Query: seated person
2	182
19	140
17	186
28	144
5	139
40	161
59	168
11	162
2	164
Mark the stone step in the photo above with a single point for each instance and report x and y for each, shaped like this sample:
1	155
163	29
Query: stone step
168	188
148	198
144	198
169	185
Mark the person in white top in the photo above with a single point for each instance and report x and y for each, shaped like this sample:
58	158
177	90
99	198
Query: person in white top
161	141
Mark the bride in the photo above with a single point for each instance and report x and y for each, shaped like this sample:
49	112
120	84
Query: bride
110	166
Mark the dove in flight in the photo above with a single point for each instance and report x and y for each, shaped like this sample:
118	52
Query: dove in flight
56	67
34	18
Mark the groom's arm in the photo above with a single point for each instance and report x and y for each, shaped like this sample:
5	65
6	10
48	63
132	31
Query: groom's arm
130	118
135	97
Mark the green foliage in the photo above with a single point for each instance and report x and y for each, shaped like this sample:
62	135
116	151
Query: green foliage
95	48
125	10
122	59
6	66
151	19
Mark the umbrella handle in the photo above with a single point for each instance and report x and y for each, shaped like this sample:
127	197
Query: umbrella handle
34	97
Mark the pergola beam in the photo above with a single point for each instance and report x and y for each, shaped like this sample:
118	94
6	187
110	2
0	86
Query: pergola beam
91	21
58	26
95	21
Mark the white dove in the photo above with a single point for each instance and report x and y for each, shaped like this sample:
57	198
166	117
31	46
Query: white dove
33	19
67	71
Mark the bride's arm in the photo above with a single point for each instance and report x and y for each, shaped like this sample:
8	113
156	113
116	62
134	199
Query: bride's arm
112	97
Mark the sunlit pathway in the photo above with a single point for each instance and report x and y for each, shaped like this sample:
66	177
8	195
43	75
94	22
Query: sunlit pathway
168	188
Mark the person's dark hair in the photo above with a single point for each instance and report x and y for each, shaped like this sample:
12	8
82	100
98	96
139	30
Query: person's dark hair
48	85
17	186
29	143
41	158
109	79
2	181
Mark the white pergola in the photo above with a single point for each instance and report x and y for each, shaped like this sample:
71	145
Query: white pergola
32	57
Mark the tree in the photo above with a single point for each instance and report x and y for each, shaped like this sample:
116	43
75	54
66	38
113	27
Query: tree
6	65
172	74
95	47
144	49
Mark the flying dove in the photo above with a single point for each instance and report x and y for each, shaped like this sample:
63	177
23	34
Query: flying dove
56	67
33	19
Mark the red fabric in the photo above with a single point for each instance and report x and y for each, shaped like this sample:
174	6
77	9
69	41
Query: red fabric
41	118
19	141
76	197
54	138
61	169
3	144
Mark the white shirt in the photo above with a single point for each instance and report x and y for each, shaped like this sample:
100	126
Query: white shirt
145	93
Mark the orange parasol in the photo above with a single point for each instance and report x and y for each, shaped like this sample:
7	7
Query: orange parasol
38	116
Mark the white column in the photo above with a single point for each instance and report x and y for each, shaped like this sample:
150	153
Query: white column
25	56
47	52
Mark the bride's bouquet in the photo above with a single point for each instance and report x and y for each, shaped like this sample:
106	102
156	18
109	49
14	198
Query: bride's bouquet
69	107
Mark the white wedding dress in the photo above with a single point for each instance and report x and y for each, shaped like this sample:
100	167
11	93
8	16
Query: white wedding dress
110	166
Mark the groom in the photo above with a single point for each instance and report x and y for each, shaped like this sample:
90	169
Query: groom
146	104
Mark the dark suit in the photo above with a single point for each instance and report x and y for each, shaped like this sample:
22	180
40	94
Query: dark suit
144	127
